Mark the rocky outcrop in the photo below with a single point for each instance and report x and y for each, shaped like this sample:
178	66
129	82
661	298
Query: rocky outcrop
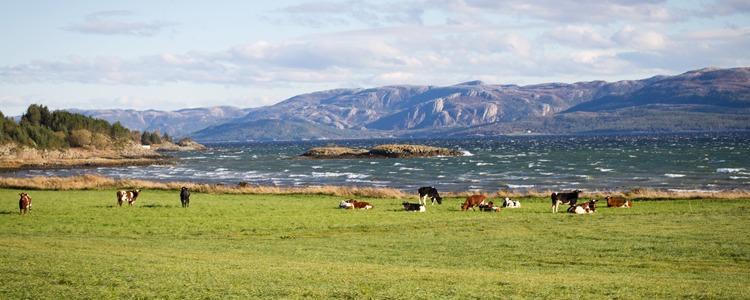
380	151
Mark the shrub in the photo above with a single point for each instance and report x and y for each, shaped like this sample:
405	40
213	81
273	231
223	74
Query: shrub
80	138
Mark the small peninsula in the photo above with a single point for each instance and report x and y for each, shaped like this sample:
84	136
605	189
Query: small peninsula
380	151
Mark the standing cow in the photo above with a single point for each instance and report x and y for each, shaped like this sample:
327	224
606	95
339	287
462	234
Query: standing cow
129	196
473	201
428	191
24	203
185	197
562	198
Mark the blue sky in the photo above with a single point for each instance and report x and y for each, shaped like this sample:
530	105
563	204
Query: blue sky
178	54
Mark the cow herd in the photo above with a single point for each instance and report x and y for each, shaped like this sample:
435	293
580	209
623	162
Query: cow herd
480	201
472	202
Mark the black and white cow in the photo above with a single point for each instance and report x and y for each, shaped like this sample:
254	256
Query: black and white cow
413	207
185	197
428	191
562	198
509	203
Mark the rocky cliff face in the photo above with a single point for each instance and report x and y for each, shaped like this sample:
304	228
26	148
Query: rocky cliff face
408	111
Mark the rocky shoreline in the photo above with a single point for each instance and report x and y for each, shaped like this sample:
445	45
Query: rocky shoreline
380	151
15	157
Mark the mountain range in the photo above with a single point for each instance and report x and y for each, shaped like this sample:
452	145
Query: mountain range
708	99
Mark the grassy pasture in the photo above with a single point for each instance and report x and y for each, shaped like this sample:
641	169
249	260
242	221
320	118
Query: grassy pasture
77	244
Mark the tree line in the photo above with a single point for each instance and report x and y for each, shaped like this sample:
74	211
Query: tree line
44	129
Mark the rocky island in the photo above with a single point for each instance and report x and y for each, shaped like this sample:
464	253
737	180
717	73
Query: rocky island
380	151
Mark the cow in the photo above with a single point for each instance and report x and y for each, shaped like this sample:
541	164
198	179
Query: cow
351	204
129	196
489	206
508	203
583	208
562	198
618	201
185	197
472	201
345	205
24	204
414	207
428	191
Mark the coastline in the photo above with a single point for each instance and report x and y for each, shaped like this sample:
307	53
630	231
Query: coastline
95	182
15	157
6	166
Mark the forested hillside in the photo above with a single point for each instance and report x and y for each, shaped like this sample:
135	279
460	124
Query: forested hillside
44	129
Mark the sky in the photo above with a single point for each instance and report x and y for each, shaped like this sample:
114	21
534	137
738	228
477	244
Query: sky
169	55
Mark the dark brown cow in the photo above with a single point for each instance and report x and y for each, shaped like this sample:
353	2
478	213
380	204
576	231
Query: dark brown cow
472	201
129	196
562	198
24	203
618	201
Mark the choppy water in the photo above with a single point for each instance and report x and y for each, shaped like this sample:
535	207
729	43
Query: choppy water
677	162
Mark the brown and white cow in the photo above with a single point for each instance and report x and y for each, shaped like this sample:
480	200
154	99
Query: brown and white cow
562	198
618	201
354	204
583	208
24	203
473	201
127	196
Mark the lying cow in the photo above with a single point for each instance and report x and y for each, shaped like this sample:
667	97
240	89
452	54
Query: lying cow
354	204
428	191
24	203
563	198
129	196
583	208
185	197
618	201
473	201
489	206
508	203
414	206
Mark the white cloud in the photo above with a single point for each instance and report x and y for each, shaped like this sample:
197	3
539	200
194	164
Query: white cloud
110	23
634	38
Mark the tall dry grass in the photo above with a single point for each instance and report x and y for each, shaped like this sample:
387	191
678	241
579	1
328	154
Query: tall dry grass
86	182
94	182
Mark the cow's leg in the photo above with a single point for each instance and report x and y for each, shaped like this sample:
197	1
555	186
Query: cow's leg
423	199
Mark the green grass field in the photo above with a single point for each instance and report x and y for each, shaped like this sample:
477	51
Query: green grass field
77	244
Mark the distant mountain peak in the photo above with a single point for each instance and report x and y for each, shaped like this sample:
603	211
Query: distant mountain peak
473	82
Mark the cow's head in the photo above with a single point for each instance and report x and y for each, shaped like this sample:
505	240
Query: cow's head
439	199
183	189
577	191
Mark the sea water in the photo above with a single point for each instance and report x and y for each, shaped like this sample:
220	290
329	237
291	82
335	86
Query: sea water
693	162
